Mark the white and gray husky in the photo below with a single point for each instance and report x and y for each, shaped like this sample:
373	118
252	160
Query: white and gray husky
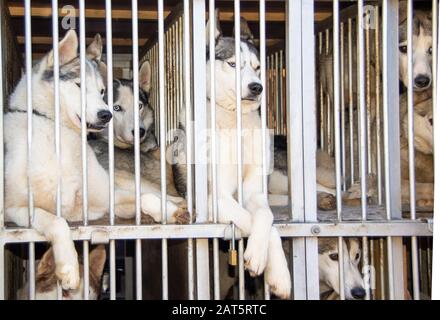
123	124
264	251
43	169
328	255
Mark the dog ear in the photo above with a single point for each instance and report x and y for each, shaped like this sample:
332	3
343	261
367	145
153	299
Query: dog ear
97	259
218	31
68	49
145	76
403	6
245	31
94	50
46	266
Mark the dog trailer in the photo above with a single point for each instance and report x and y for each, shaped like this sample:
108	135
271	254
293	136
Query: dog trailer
332	81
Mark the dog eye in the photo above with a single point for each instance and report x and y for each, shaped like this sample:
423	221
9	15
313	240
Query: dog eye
430	50
357	256
141	105
257	68
334	256
232	64
78	84
102	92
117	107
403	49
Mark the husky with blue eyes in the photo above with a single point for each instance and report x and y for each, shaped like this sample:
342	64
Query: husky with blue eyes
264	251
43	169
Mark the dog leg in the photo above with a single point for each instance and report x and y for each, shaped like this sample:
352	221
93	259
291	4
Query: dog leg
176	213
57	232
229	211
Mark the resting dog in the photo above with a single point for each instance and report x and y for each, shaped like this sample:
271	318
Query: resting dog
43	169
123	124
328	271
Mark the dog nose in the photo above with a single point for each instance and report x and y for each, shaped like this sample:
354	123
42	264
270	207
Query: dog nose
255	88
141	132
422	81
104	116
358	293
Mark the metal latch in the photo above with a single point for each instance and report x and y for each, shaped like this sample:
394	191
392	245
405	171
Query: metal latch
99	237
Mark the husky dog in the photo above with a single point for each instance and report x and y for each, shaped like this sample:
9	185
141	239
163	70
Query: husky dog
46	279
325	179
329	268
328	271
123	124
43	169
422	48
264	250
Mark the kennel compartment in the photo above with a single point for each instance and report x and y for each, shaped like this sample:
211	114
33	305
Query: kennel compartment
350	116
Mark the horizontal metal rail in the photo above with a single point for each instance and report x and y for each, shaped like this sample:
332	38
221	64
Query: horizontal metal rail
419	228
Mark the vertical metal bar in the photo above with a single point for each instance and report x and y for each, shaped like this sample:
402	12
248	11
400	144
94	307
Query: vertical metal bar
411	151
135	48
239	138
378	108
321	98
390	9
82	52
56	76
111	156
294	132
361	108
82	39
382	268
435	291
263	107
363	135
337	137
350	97
86	269
342	99
162	116
337	106
212	32
189	139
372	274
28	48
2	187
201	172
368	96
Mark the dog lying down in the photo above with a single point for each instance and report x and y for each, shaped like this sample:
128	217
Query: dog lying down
328	272
46	279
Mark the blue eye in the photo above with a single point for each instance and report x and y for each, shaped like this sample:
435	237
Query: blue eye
117	107
232	64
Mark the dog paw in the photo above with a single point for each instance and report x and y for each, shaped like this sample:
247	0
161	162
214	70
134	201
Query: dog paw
279	282
147	219
255	256
68	275
326	201
151	206
181	216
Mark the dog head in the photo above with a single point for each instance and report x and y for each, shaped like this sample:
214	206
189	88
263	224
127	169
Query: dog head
97	113
123	111
46	280
329	267
225	68
422	48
